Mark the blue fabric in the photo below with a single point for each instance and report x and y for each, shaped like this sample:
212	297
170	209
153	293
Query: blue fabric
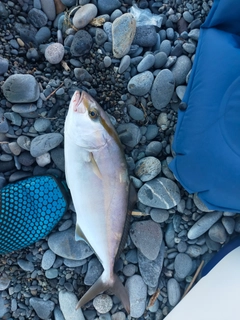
207	137
29	210
220	255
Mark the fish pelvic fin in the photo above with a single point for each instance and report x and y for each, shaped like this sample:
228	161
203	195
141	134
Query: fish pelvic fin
113	283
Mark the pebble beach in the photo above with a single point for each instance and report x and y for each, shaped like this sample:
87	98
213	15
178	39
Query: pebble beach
134	59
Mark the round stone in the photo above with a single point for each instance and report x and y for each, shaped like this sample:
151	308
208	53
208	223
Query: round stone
147	168
103	303
54	53
141	84
84	15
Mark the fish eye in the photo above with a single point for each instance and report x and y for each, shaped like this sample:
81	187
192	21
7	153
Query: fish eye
93	113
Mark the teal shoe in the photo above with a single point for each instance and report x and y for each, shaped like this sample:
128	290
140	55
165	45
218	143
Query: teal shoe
29	210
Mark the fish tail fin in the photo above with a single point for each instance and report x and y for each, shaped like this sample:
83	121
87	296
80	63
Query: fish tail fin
102	284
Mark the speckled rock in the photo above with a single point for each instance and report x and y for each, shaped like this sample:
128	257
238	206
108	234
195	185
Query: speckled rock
84	15
103	303
54	53
147	168
123	32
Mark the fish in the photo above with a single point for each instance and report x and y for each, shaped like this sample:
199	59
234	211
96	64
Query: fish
103	197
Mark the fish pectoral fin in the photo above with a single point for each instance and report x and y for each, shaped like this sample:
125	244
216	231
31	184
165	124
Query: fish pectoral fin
95	166
115	285
79	235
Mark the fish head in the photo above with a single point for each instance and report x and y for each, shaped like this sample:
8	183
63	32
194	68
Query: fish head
87	124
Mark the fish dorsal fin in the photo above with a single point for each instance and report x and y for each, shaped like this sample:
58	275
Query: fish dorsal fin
95	166
79	235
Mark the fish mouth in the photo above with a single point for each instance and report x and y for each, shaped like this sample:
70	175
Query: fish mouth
80	101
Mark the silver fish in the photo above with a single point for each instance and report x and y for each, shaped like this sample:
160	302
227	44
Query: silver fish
97	177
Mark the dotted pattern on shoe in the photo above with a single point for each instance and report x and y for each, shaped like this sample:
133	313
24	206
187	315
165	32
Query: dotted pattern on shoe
29	210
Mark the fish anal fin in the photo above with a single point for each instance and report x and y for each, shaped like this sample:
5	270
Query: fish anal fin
101	285
95	166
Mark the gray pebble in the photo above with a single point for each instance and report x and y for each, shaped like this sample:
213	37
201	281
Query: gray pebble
194	34
147	168
4	127
162	89
166	47
137	294
93	272
57	156
152	131
58	315
174	292
180	69
44	143
37	18
119	316
180	91
42	308
146	36
4	282
54	53
170	236
141	84
24	107
131	256
64	245
217	233
194	251
151	269
229	224
100	36
153	148
146	63
160	60
51	273
188	16
107	61
116	14
14	117
183	265
135	113
204	224
14	88
105	6
237	225
129	270
25	265
182	246
84	15
124	64
42	124
82	43
129	134
123	31
159	193
68	302
103	303
212	245
82	74
199	204
48	259
48	7
189	47
107	27
147	237
159	215
69	3
4	63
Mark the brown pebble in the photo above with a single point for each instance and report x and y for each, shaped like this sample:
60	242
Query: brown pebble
60	7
